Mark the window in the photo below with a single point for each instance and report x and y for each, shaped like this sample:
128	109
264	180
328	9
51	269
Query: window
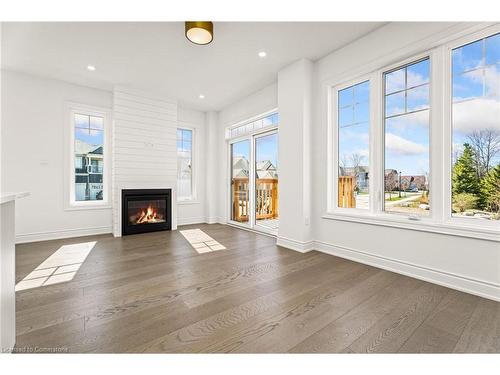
88	155
353	120
406	143
391	135
184	164
246	128
475	185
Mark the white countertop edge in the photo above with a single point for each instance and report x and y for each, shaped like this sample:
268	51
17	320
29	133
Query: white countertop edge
8	196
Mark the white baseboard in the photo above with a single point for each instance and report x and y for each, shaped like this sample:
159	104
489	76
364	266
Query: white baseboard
66	233
190	220
213	220
465	284
299	246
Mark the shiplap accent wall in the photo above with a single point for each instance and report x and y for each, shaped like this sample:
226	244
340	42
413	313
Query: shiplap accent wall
144	146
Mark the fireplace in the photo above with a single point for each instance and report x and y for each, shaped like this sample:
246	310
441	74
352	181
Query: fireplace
146	210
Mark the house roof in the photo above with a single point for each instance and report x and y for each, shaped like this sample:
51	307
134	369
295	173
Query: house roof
264	168
239	173
265	165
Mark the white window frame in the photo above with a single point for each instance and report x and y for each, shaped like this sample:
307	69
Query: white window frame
448	130
250	137
334	137
192	198
433	102
440	219
250	120
69	140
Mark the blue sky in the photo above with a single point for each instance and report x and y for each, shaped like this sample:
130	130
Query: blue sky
476	89
266	148
89	129
476	92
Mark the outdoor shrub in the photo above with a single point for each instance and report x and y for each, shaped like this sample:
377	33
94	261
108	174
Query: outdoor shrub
464	201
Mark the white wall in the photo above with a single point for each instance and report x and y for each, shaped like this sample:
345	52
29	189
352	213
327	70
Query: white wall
33	155
468	264
213	172
294	134
195	211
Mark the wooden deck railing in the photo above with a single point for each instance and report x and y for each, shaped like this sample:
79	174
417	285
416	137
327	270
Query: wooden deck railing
347	197
266	199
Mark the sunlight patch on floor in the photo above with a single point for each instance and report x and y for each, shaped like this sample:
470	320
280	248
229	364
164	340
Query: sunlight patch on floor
200	241
59	267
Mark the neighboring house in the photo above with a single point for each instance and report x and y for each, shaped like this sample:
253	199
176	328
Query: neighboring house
264	169
407	182
88	171
240	167
361	173
412	182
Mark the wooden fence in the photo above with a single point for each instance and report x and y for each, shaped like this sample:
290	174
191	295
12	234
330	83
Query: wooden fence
266	199
347	197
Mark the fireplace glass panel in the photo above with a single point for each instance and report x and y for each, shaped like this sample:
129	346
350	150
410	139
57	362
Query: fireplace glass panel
146	211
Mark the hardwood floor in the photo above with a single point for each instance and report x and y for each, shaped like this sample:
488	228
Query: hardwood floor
155	293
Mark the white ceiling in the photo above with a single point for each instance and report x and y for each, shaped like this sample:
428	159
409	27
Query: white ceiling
157	56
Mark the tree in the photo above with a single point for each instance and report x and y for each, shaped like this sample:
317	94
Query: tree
390	181
356	160
485	144
490	186
465	179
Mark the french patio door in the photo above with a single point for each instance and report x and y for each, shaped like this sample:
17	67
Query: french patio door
254	182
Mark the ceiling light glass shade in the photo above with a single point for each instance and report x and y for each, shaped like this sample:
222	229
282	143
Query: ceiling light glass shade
199	32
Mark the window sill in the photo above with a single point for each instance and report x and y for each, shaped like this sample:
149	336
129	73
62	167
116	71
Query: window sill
424	225
188	201
85	207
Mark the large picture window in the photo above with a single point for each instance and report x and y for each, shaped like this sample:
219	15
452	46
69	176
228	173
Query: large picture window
353	120
447	97
475	186
406	151
184	164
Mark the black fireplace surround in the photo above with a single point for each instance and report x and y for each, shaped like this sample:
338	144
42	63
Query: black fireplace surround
146	210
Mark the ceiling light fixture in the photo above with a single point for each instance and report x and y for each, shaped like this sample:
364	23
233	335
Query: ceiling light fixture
200	32
202	96
91	67
262	54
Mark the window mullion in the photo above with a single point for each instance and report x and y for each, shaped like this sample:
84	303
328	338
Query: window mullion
438	149
376	143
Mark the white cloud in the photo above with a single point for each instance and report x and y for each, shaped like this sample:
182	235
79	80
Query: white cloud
348	135
401	146
410	120
476	114
396	80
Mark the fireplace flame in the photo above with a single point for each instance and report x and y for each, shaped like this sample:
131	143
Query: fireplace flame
148	216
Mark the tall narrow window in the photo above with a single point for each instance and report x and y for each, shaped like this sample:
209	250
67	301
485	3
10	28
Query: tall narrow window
353	137
184	164
476	129
406	123
88	157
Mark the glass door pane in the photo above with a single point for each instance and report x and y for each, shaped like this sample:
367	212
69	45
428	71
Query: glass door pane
240	188
266	181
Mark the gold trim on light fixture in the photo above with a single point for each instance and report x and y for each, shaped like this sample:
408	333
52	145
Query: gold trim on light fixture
199	32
